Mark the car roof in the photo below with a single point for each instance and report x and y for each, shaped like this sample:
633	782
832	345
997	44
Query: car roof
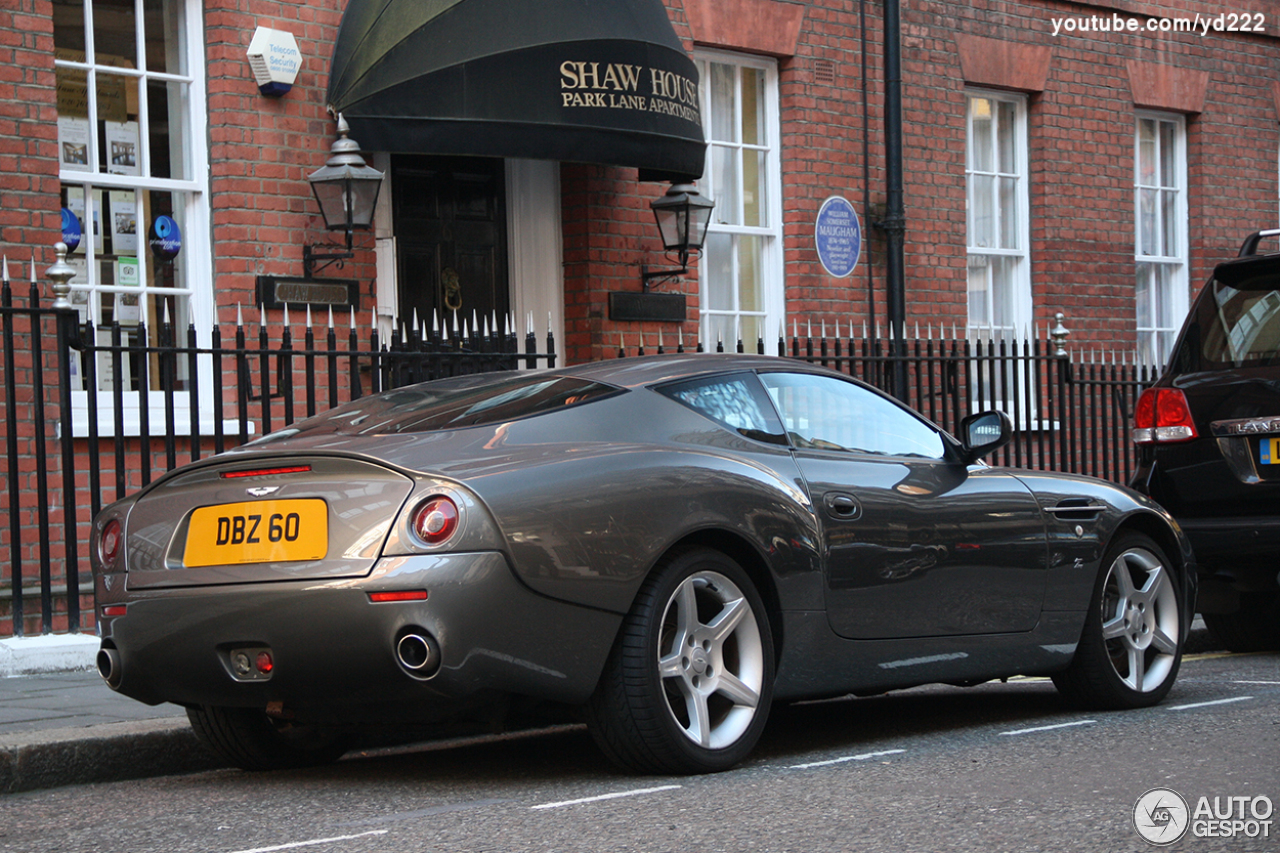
638	371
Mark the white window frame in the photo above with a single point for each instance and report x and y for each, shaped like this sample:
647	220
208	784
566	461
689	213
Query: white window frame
1148	330
772	272
1021	309
196	244
1017	328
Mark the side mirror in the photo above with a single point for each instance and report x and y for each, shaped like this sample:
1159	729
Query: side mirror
983	433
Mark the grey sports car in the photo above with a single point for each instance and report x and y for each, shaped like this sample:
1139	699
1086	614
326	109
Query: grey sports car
664	545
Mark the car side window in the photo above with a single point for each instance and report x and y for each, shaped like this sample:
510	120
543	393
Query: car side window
825	413
735	401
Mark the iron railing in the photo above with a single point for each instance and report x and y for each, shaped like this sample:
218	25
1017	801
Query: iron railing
94	414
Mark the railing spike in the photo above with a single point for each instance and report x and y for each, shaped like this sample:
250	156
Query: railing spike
659	337
837	328
33	267
240	314
824	329
795	328
917	330
286	315
680	335
864	330
262	315
5	277
308	315
331	317
809	329
166	312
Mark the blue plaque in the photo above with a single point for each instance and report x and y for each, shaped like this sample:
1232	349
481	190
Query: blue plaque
839	236
71	230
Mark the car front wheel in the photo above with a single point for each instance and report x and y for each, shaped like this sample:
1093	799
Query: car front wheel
1131	646
688	684
249	739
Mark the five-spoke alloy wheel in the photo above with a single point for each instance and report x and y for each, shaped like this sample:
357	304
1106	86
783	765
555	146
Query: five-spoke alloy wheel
1131	647
689	682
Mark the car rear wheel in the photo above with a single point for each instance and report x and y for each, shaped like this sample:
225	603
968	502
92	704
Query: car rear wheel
1131	647
688	684
249	739
1255	627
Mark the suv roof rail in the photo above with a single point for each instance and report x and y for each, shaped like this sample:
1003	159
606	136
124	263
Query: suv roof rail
1250	246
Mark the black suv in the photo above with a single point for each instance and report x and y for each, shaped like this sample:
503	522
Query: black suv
1208	436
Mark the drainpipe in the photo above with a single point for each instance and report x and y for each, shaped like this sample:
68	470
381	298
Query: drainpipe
895	220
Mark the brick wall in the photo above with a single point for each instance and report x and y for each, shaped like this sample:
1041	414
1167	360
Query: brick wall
1080	131
29	203
261	151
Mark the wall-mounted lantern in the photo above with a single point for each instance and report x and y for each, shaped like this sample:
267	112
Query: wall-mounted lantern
347	191
683	215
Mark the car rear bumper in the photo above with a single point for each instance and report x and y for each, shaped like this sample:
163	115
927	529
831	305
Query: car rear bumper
334	649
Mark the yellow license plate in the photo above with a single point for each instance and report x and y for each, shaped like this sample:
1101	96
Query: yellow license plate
257	532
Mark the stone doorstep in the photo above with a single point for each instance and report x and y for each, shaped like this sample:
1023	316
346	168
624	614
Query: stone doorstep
47	653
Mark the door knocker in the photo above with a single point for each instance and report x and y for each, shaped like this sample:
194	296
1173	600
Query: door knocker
452	289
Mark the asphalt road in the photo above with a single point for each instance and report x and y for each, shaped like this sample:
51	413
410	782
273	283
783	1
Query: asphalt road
992	768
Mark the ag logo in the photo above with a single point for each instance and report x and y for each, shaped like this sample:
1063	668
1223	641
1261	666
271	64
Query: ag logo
1161	816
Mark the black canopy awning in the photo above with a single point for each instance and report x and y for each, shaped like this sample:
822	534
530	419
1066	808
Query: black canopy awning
590	81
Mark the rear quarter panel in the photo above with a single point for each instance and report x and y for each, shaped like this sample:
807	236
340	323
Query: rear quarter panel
589	499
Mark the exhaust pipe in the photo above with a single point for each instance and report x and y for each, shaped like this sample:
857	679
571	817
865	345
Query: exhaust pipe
418	653
109	668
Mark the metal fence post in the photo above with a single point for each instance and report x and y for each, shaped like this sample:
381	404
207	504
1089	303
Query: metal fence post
61	274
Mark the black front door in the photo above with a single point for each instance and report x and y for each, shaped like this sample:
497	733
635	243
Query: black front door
451	238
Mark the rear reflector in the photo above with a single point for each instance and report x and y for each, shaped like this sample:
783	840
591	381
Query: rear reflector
264	472
115	609
406	595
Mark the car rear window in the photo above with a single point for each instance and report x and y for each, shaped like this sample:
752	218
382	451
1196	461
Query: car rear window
1237	321
453	404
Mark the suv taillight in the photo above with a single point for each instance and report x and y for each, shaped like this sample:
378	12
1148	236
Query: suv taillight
1163	416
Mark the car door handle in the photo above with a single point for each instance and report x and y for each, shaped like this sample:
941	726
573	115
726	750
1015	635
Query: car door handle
842	506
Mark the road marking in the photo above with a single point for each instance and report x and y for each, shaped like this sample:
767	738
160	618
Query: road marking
1049	728
1255	682
612	796
1205	704
296	844
862	757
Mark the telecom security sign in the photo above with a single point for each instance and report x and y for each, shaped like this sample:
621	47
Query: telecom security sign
838	235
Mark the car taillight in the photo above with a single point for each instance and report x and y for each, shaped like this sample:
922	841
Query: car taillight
1163	416
435	520
109	543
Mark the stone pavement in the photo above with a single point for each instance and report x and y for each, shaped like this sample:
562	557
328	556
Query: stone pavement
69	728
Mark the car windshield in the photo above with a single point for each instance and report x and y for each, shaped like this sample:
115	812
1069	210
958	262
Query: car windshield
452	404
1239	321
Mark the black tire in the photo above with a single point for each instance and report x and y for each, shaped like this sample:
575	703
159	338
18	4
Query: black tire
701	710
1131	645
247	738
1255	627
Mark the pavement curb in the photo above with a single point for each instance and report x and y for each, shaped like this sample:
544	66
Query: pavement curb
111	752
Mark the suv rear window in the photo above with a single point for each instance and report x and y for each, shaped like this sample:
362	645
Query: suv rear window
1237	321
